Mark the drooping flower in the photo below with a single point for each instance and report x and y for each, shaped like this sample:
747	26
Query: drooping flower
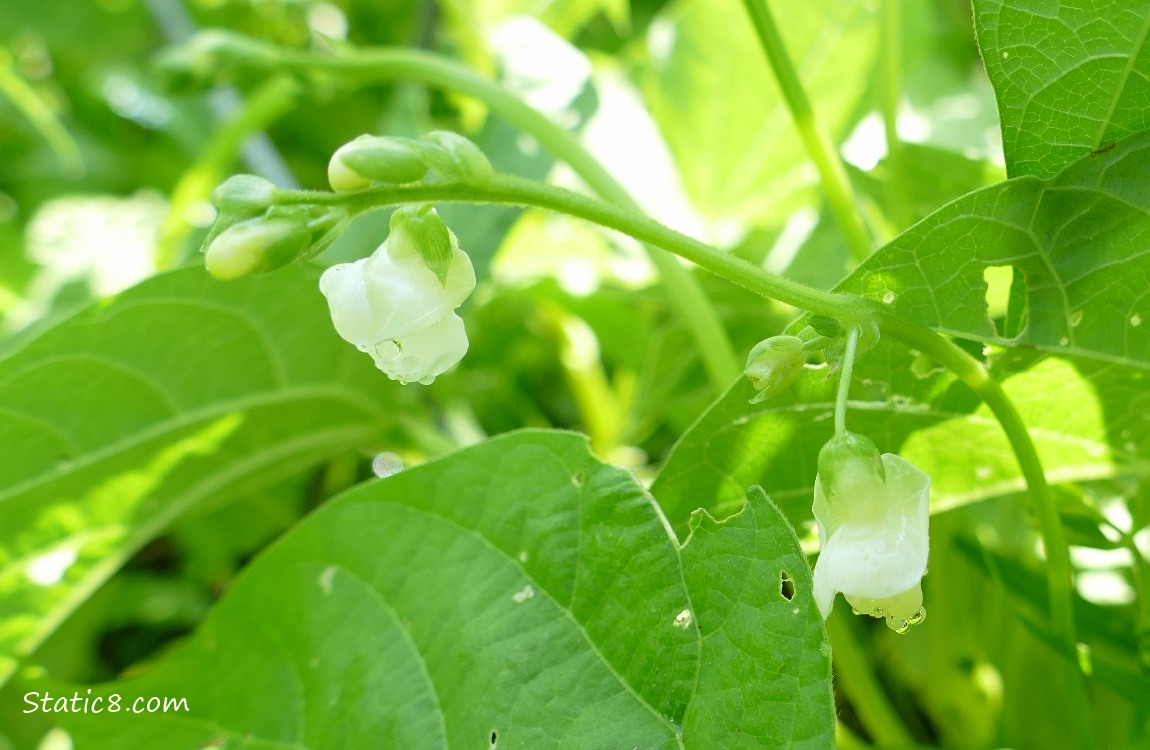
394	307
873	516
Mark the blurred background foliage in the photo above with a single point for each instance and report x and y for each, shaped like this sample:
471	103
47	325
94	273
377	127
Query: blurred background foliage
108	160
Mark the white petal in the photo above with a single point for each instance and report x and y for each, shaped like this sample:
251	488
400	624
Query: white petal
425	354
351	313
407	297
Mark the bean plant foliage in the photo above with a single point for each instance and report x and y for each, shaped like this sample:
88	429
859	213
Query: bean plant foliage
352	395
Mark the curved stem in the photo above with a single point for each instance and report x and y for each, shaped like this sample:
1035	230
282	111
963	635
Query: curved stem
845	382
370	65
850	310
836	184
889	85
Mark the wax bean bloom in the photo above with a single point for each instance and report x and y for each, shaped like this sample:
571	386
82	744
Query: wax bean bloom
394	307
872	516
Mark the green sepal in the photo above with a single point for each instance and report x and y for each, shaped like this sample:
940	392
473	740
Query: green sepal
847	458
427	235
455	157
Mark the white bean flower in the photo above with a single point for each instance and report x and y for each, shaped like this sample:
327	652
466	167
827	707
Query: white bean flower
873	517
394	307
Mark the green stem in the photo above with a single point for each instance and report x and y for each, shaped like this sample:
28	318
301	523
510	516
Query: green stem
24	98
845	382
848	309
266	105
836	184
889	87
696	312
856	679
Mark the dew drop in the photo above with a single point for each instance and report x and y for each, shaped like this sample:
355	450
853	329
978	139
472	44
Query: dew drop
857	612
683	619
1076	319
898	626
523	594
386	464
918	617
1135	320
361	347
982	472
1063	341
888	298
1005	55
523	556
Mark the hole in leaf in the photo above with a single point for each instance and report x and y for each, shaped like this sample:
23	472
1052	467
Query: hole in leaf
1007	300
787	586
494	738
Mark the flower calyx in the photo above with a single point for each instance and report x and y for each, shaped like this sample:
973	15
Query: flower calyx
369	159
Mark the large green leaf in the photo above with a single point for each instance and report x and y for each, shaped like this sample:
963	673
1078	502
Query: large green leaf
713	96
518	594
1078	244
180	391
1070	77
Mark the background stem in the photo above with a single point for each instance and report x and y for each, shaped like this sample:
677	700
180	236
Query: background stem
836	185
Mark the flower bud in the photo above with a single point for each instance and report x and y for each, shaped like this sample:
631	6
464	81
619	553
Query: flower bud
370	158
244	195
255	245
774	364
455	157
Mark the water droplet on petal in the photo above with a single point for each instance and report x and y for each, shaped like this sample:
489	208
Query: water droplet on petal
898	626
918	617
361	347
855	611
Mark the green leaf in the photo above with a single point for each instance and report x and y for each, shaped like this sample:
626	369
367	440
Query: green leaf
1070	77
179	391
516	594
1081	242
711	91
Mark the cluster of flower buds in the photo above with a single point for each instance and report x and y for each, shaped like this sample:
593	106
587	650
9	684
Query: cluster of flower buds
252	234
398	305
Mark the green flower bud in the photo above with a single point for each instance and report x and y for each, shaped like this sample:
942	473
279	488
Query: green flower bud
244	195
774	364
455	157
256	245
370	158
